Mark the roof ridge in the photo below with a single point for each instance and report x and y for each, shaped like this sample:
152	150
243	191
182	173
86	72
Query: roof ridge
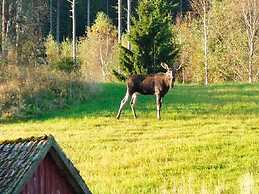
28	139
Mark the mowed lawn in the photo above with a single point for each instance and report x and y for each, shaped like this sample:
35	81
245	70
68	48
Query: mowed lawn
206	142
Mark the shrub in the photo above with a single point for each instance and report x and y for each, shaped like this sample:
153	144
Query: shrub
52	50
59	55
29	91
65	64
97	50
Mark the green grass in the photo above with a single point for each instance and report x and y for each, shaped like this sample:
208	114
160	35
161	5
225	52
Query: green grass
207	140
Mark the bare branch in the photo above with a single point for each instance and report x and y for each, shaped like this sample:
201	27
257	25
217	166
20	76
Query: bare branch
71	2
251	20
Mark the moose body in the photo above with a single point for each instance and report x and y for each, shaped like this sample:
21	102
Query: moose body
148	85
155	84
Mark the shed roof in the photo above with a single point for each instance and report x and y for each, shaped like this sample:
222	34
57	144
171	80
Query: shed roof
20	158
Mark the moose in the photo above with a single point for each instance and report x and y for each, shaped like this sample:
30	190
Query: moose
156	84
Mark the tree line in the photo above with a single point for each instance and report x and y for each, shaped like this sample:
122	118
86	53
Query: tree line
208	51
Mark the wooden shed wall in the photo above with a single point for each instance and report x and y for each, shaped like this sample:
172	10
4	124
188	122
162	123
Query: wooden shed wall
48	179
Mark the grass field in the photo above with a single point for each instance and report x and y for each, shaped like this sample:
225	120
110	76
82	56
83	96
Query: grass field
206	142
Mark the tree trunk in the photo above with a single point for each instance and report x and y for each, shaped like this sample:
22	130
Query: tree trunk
50	17
74	31
88	13
3	30
119	21
205	32
128	20
251	19
58	22
183	75
181	8
107	7
18	28
103	64
250	59
202	9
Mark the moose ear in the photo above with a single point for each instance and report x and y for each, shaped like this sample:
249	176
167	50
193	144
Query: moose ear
165	66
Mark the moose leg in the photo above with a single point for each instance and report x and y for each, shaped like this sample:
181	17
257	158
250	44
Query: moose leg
123	102
132	103
158	105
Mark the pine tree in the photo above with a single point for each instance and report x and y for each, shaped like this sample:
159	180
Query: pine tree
151	39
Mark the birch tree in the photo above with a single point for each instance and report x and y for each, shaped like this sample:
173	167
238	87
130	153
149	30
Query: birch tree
119	21
3	29
22	23
250	12
107	7
128	19
201	7
58	22
73	9
18	28
50	17
88	13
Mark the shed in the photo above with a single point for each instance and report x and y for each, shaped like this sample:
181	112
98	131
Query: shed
37	166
